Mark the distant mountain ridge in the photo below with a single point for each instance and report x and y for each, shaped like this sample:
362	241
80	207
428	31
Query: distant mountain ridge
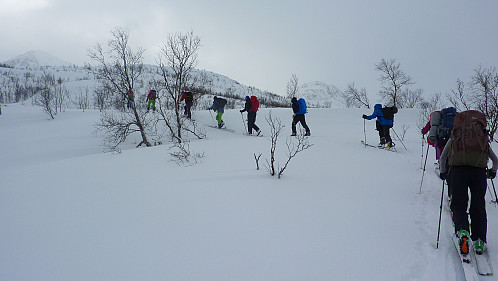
34	59
317	94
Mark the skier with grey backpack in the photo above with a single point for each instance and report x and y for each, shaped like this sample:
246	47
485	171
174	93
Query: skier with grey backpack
464	161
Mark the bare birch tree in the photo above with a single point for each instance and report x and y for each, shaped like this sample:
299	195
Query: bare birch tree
393	79
177	59
484	93
118	69
354	97
292	87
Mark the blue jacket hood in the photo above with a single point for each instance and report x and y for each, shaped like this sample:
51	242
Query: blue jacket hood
378	106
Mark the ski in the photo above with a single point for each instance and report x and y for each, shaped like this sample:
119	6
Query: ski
392	149
467	265
253	135
482	263
223	128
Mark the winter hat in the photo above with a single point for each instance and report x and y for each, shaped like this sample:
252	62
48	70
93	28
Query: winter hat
247	97
294	99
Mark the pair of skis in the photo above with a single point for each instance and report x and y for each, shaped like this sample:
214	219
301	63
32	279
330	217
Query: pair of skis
393	149
472	263
223	128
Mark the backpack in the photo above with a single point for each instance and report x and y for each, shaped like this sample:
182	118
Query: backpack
388	112
254	104
435	120
222	102
469	140
152	95
301	106
447	117
190	97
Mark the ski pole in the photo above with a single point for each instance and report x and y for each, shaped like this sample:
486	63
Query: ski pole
422	151
364	132
242	116
440	211
496	199
399	139
423	171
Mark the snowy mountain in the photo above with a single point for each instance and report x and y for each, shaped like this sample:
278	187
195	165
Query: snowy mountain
34	59
319	94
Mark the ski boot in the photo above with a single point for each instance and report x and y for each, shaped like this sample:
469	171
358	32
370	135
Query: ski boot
463	241
307	134
390	144
382	143
479	247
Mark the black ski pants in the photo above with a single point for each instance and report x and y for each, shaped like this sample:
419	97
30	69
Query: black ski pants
462	179
384	134
187	107
251	120
299	118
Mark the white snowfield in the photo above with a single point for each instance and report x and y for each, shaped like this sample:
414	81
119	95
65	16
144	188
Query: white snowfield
341	211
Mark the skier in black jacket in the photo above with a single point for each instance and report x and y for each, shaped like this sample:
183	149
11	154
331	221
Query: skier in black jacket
251	116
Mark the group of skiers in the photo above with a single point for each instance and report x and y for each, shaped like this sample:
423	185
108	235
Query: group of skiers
251	106
462	149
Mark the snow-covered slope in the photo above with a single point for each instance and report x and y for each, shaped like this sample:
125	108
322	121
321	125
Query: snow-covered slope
34	59
341	211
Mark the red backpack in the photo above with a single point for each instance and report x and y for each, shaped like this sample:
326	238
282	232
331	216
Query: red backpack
254	104
469	140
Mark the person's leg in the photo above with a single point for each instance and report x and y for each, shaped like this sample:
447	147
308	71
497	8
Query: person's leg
294	122
303	123
459	181
477	209
380	129
251	118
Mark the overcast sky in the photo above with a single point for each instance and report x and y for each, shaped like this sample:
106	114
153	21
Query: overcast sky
261	43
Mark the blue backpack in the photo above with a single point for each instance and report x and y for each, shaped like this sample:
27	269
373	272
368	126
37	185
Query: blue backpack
447	116
301	106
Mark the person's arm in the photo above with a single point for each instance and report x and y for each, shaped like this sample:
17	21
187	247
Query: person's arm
443	159
427	128
494	159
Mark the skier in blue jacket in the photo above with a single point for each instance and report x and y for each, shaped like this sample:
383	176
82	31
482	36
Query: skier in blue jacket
219	106
382	125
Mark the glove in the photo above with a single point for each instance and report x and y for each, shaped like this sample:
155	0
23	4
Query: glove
443	176
364	116
491	174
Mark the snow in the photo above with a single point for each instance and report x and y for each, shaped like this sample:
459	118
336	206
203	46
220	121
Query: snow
341	211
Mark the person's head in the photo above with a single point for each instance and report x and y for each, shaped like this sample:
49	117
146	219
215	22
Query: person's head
378	106
247	98
215	98
294	99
